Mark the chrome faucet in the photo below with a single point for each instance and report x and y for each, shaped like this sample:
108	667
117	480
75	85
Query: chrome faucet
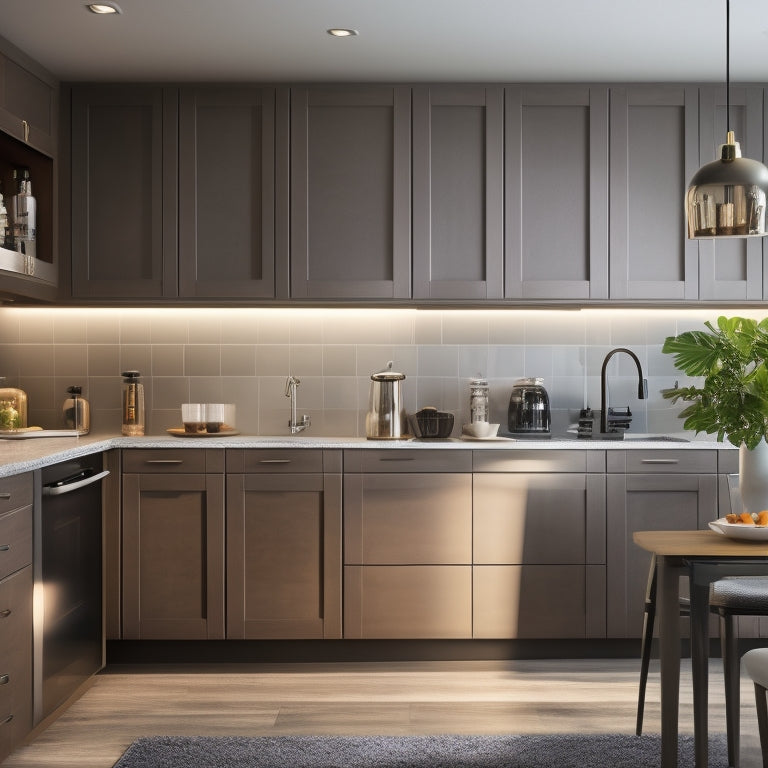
290	391
642	386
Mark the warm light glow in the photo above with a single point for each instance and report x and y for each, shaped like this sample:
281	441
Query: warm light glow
341	32
104	8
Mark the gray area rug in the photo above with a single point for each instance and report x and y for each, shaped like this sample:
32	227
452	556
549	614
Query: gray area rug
550	751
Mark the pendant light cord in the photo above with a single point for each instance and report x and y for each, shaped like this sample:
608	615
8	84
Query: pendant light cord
728	66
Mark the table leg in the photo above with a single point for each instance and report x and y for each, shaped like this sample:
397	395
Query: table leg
668	597
700	660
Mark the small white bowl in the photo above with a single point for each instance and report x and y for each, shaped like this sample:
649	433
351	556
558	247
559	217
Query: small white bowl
480	429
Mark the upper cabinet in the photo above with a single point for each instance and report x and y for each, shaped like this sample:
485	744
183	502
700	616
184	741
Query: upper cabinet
654	151
350	215
124	192
458	192
556	182
227	192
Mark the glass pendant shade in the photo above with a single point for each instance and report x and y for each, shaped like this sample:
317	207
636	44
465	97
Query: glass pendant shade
727	198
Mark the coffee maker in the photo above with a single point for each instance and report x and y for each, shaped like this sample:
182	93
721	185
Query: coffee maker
529	414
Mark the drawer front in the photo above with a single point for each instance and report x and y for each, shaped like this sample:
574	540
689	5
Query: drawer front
661	461
407	460
15	540
549	460
162	460
275	460
15	659
15	492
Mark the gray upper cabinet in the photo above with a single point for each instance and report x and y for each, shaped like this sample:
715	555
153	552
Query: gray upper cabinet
731	269
29	101
556	167
227	192
350	192
124	192
654	151
458	150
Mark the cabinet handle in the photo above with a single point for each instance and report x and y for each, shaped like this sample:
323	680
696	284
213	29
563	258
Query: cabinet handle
7	719
5	496
25	126
5	613
397	458
163	461
5	547
660	461
274	461
5	679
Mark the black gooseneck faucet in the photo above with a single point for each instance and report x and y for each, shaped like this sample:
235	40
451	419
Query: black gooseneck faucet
642	385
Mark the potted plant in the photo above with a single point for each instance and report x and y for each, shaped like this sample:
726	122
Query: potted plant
732	399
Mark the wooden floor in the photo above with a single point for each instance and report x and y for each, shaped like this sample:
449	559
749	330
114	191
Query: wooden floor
387	698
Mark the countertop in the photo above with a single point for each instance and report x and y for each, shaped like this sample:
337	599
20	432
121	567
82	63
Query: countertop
25	455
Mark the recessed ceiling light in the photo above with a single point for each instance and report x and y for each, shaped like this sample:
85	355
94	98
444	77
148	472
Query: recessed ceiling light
102	8
340	32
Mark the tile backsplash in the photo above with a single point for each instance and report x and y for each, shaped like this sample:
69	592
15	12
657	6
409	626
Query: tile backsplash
243	356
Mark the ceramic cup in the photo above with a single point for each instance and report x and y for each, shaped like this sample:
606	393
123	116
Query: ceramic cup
214	416
193	415
480	429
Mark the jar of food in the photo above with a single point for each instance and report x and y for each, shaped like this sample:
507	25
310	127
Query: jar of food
77	411
13	408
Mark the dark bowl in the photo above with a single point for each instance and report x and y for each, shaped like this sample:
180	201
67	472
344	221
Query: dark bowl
432	423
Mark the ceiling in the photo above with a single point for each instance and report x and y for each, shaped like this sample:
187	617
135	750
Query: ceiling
398	41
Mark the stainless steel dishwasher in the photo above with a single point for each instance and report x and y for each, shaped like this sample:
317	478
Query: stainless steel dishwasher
69	627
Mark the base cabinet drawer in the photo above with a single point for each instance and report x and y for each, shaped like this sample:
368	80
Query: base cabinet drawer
538	601
15	659
408	601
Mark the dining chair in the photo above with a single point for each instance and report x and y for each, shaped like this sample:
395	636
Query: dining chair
756	664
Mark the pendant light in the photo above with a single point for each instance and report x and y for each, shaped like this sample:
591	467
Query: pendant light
726	198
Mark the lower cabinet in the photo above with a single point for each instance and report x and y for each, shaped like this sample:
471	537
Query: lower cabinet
15	611
539	545
173	545
283	544
649	491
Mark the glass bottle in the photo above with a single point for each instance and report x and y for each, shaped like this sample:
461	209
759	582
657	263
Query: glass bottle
478	403
77	411
133	404
24	214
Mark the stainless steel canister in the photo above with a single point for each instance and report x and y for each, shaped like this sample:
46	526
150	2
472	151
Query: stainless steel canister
386	418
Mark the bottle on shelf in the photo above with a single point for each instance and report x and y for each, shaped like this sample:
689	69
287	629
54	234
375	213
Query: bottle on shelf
24	215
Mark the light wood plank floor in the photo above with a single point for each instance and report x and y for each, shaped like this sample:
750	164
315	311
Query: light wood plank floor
386	698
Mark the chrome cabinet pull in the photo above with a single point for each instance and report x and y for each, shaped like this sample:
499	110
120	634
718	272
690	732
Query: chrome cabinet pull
5	613
25	126
274	461
5	679
660	461
163	461
4	547
6	720
5	496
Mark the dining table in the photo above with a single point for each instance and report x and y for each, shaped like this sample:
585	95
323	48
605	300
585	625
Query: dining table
704	557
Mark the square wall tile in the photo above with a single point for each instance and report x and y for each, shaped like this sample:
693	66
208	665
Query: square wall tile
37	327
240	326
103	328
169	392
166	328
461	327
137	357
36	360
206	389
439	361
135	328
306	360
204	327
506	327
10	326
238	360
202	360
273	360
104	360
506	362
545	328
428	327
71	360
339	392
70	328
167	360
339	360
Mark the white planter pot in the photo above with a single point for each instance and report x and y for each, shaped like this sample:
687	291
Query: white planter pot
753	477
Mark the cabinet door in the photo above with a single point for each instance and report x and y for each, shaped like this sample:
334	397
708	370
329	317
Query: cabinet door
647	502
124	192
227	192
15	659
556	210
731	268
29	103
654	136
284	556
351	193
458	232
539	555
173	557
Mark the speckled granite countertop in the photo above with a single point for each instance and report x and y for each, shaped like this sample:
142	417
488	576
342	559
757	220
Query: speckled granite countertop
34	453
